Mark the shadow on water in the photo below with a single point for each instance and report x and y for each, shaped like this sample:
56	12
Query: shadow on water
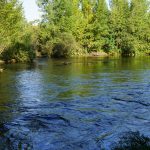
133	141
85	105
127	141
10	141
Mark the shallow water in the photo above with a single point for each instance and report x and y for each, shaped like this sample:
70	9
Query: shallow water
85	105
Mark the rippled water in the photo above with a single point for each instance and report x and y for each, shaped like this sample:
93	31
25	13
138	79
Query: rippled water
85	105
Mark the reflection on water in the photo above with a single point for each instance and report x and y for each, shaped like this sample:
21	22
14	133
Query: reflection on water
85	105
30	88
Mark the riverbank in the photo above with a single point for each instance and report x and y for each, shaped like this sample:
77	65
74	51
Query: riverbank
91	54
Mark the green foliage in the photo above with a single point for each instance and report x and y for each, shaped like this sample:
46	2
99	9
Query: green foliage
66	46
11	18
75	27
60	16
18	38
123	28
19	52
100	28
129	26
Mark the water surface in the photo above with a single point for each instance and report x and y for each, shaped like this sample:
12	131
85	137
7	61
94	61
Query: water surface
85	105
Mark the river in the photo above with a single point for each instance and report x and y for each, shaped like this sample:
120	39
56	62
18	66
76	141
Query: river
86	104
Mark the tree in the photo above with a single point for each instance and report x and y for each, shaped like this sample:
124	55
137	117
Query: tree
138	25
60	16
11	18
118	23
100	26
123	27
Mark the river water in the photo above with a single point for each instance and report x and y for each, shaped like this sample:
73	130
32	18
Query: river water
84	105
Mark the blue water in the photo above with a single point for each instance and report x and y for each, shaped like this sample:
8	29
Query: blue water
85	105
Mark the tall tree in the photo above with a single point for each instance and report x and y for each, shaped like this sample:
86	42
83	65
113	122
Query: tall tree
101	28
11	17
138	25
61	16
122	26
118	22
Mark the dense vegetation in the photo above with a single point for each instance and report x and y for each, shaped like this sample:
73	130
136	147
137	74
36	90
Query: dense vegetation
15	33
75	27
121	26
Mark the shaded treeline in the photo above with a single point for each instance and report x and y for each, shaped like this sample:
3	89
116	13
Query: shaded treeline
75	27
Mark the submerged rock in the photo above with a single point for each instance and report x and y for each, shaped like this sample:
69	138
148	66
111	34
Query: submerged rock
12	61
2	62
1	69
133	141
66	63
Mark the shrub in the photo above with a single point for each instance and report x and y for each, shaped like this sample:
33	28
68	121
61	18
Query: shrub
66	46
19	52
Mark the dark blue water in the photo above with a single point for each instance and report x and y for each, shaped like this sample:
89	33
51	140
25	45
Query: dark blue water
85	105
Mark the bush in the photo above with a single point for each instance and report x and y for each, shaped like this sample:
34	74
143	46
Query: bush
66	46
18	52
